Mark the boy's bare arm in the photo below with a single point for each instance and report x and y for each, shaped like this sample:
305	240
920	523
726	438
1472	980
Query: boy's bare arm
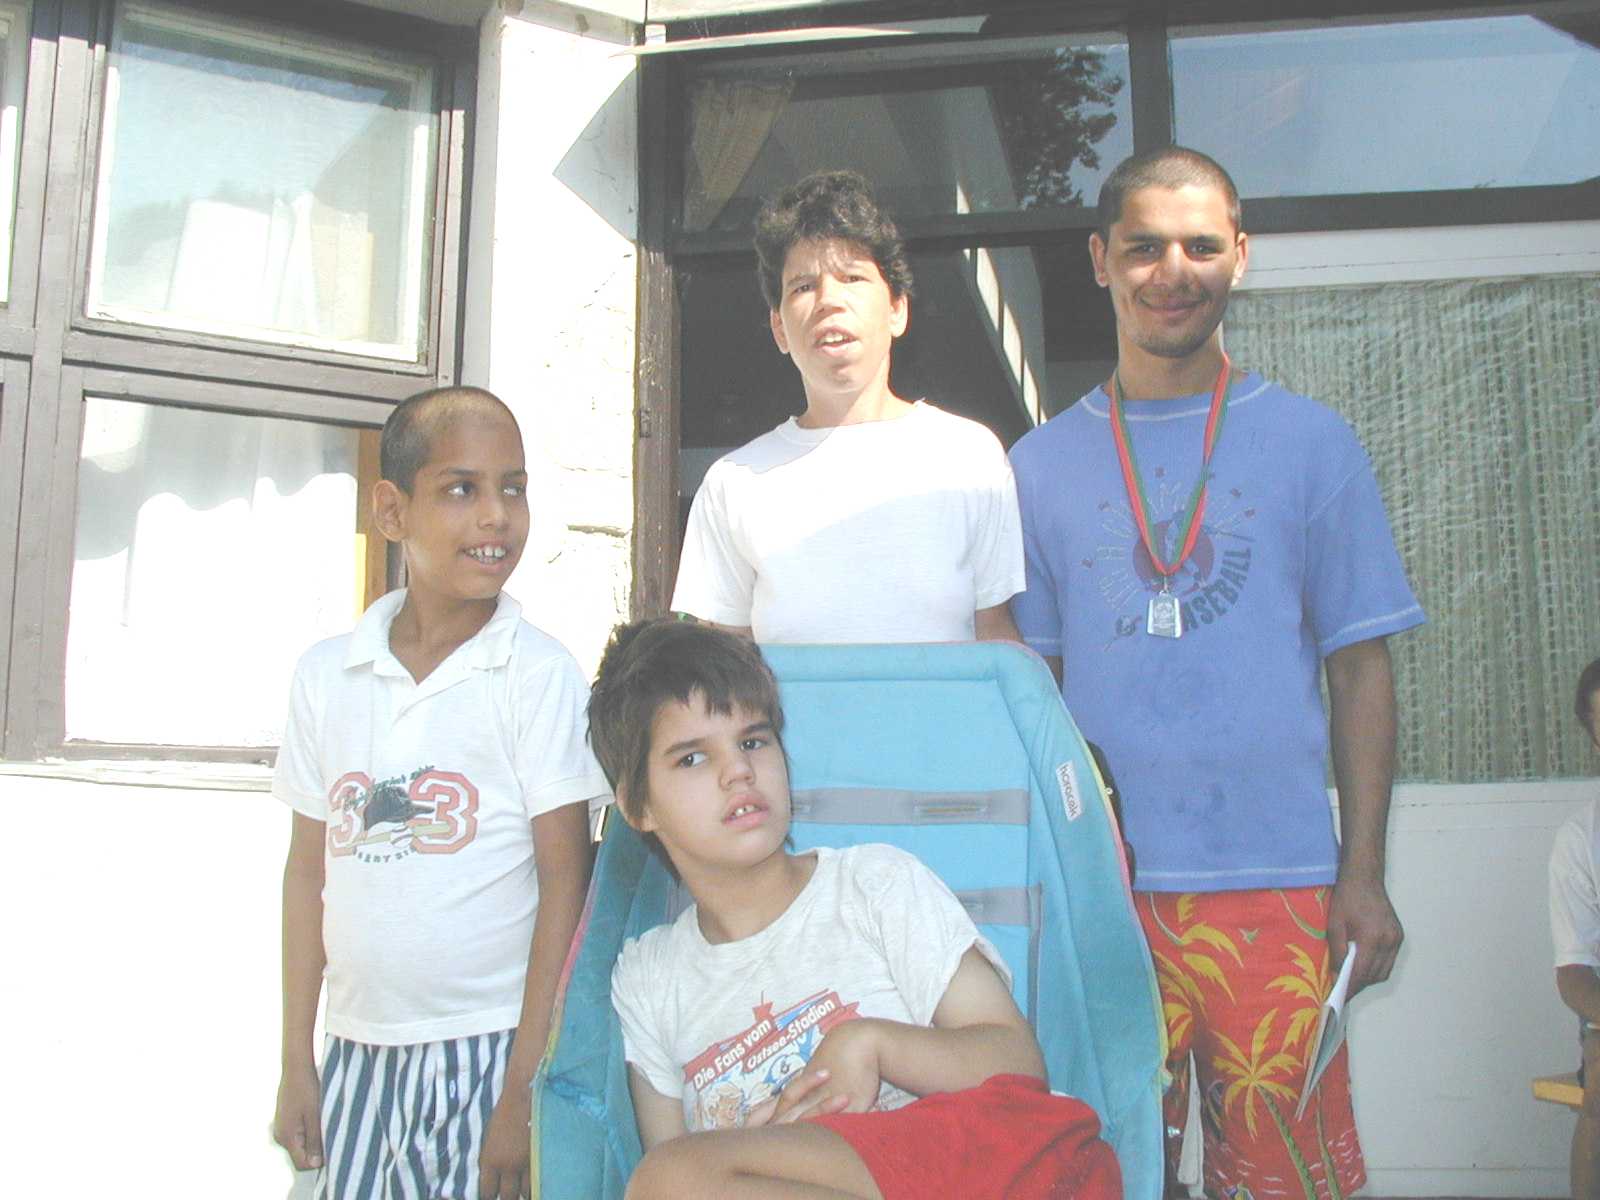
563	858
977	1032
660	1117
297	1124
1579	986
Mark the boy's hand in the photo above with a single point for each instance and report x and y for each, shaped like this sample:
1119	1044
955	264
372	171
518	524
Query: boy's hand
503	1165
797	1090
297	1123
848	1057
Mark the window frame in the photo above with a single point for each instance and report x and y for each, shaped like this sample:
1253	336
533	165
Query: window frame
1150	85
52	355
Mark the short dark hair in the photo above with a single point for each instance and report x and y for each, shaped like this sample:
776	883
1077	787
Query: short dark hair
410	431
828	204
654	662
1169	167
1583	704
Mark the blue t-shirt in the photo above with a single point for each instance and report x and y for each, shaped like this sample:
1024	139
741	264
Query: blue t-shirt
1218	739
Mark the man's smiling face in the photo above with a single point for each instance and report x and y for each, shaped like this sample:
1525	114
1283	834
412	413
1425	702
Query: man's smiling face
1170	262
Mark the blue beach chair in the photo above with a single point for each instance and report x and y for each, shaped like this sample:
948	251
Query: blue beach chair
965	756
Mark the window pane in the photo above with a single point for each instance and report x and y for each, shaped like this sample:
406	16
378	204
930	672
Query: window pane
211	550
1010	124
14	40
1418	106
1476	400
263	187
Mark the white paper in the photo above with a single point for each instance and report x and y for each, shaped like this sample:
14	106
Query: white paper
1329	1034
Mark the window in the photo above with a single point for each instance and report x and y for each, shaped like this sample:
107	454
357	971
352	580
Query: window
1480	125
1412	106
193	526
1014	123
13	88
311	227
238	269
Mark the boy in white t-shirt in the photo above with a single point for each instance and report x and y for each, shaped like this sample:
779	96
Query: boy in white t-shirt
779	1033
867	518
436	762
1575	926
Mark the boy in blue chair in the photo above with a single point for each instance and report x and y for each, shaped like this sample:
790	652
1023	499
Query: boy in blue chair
828	1024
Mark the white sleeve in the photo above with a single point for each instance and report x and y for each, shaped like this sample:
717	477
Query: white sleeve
1574	902
643	1038
716	582
296	779
997	565
554	763
918	925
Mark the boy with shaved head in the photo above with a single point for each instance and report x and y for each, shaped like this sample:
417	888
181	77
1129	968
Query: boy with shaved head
437	766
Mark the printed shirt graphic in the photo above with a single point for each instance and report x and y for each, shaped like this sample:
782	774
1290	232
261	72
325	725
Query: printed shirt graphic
738	1073
723	1027
428	811
1218	739
427	792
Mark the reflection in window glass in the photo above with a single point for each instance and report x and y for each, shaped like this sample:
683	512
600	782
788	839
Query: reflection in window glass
1420	106
263	187
13	91
1011	124
211	550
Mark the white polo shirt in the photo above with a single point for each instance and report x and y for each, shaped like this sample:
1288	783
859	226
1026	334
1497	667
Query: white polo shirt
428	791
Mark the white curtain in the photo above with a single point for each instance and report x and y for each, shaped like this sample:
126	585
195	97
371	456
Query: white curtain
729	120
1477	401
211	550
286	202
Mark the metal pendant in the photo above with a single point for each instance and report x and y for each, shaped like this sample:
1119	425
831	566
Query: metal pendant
1165	618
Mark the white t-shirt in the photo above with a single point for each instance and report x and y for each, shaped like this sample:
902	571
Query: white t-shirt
428	791
874	933
886	531
1575	890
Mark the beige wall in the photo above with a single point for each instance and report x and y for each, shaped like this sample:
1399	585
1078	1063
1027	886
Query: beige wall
550	304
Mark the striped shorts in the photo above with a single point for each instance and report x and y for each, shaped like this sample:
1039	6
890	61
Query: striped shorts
407	1122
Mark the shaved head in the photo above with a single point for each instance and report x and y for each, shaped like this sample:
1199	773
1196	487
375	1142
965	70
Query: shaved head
413	427
1169	167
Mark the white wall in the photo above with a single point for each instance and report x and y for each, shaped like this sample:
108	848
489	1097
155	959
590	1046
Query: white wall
550	302
1443	1053
141	986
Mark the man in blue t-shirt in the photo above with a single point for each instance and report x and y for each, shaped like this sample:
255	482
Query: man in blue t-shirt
1201	544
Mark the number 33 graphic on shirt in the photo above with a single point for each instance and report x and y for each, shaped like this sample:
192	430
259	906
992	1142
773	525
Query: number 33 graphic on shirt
436	812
